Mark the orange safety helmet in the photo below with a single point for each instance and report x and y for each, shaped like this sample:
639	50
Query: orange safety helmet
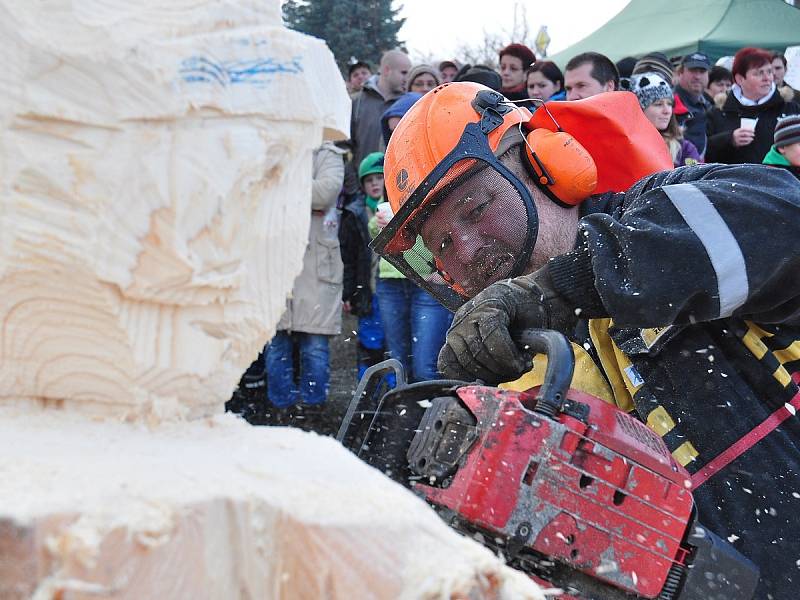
433	127
459	129
429	131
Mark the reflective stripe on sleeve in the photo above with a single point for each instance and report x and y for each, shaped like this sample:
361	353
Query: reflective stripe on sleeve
720	245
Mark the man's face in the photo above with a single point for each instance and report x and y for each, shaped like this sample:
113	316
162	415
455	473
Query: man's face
694	80
579	83
778	71
448	74
477	231
358	77
396	74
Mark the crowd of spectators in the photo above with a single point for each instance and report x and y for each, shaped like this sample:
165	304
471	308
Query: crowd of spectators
738	110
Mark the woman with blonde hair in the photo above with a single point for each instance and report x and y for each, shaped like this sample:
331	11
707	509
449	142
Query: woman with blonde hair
657	101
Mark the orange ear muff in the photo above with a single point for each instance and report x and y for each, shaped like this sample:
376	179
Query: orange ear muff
562	165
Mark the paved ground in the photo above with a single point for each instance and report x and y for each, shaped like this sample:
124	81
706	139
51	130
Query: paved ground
251	402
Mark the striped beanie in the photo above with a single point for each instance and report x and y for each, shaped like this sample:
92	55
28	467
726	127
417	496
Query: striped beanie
655	62
787	131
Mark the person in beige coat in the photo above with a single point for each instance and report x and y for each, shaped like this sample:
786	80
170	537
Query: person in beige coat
314	308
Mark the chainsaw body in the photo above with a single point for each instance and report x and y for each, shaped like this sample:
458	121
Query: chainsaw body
568	488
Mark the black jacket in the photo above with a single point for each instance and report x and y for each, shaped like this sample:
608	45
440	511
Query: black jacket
356	256
699	269
694	123
721	124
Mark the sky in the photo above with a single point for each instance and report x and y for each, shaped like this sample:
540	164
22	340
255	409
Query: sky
438	28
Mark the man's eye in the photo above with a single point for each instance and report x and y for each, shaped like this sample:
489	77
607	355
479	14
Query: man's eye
477	212
445	244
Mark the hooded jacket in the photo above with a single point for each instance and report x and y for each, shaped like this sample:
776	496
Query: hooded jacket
315	305
694	326
722	122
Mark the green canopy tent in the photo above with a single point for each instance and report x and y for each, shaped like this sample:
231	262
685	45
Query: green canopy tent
716	27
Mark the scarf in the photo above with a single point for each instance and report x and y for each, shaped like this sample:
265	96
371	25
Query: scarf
737	93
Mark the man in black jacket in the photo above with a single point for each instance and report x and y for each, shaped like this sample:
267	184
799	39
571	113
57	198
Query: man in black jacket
691	84
682	296
377	94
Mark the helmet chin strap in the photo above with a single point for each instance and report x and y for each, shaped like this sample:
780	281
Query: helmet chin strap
525	253
508	142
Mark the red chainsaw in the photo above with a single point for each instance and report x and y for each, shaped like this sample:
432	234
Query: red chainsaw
569	489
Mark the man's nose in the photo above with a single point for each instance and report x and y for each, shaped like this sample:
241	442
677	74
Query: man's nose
465	246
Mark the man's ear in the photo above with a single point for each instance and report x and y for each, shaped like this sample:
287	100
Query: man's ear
780	150
609	87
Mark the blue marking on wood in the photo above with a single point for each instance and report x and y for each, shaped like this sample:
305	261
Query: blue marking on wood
257	71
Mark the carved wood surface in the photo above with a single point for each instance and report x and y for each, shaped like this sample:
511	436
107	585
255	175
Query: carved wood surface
217	509
155	170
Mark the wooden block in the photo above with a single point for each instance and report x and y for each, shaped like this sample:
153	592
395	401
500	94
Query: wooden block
155	166
155	173
218	509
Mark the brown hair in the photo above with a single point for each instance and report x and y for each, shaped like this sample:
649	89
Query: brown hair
520	51
603	70
550	71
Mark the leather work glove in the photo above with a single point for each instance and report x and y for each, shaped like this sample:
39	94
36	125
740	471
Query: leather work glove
479	344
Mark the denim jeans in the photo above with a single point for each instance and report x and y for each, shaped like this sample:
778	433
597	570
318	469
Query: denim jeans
415	325
314	369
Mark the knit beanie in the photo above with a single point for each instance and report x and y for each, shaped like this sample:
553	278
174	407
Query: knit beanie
655	62
480	74
522	52
787	131
449	63
648	88
419	70
372	163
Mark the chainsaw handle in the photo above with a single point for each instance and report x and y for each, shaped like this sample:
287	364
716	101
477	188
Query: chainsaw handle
371	380
560	366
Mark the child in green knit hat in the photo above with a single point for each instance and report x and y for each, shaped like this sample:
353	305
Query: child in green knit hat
785	152
360	263
370	175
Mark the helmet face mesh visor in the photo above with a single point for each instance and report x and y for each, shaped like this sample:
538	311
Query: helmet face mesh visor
474	228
